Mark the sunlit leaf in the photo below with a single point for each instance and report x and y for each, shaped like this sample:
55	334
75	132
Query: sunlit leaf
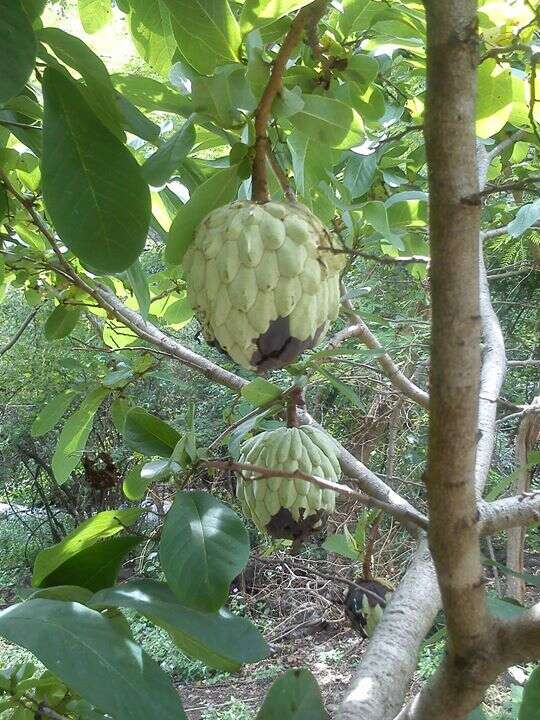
103	525
74	435
94	14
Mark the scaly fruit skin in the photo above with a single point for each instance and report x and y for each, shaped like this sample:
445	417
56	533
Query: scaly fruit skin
263	280
285	507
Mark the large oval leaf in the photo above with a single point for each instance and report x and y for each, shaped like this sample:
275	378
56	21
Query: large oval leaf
494	97
93	657
149	434
221	640
74	435
218	190
92	185
104	525
206	32
151	29
294	696
203	547
329	121
97	89
17	49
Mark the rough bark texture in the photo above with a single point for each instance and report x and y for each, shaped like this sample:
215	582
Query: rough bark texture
455	338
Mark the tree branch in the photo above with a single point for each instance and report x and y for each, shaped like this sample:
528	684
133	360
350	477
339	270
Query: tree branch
518	510
262	114
360	330
404	515
26	322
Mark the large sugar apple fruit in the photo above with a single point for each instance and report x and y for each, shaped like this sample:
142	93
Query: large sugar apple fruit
263	280
285	507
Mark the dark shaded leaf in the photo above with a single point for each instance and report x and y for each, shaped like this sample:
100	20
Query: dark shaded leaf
61	322
93	657
221	640
203	547
294	696
159	167
92	185
17	48
149	434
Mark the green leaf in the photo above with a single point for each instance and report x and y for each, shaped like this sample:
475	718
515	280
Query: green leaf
330	122
94	567
221	640
359	173
206	32
94	14
294	696
533	580
135	486
70	593
526	216
151	94
119	409
493	97
51	413
503	609
258	13
74	435
149	434
61	322
159	167
340	544
216	191
531	697
17	49
94	658
151	29
92	185
348	391
138	281
375	214
103	525
362	69
260	391
311	163
98	90
135	121
203	547
358	15
226	96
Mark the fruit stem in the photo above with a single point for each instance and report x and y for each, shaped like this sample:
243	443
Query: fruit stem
262	114
295	400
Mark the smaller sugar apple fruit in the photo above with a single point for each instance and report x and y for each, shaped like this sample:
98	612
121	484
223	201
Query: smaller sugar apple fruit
263	280
365	604
284	507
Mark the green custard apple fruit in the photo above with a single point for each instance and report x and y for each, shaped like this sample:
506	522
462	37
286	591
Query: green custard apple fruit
285	507
263	280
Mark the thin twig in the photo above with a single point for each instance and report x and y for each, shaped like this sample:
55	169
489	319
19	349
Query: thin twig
10	343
